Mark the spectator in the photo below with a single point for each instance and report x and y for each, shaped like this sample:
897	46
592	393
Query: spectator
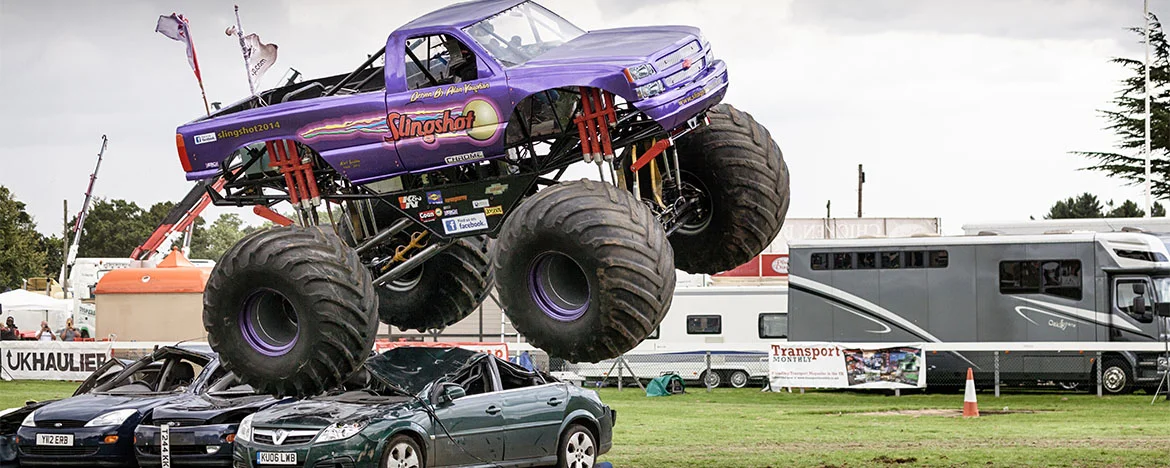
69	333
9	331
46	334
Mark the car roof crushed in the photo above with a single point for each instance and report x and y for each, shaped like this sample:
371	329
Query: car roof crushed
411	369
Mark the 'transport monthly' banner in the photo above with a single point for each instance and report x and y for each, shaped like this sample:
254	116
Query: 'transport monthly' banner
52	360
842	365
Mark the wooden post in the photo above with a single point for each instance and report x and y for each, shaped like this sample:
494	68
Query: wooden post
860	181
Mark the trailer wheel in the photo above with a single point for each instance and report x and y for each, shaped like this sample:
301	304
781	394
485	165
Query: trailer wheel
711	379
1116	376
738	379
584	271
290	310
739	168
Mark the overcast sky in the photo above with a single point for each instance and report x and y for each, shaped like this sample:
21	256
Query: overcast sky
963	110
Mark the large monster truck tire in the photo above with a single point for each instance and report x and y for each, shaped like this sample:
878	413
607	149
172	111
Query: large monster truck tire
740	169
584	271
291	310
440	292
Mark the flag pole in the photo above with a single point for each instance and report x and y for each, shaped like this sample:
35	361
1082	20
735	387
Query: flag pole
244	50
1149	204
195	61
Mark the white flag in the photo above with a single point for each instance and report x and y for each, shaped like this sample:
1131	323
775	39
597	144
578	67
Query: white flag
260	56
175	27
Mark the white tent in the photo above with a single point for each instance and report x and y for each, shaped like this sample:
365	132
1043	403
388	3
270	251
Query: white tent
28	309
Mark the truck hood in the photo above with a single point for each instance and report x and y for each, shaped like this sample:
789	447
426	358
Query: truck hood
324	412
621	47
89	406
208	409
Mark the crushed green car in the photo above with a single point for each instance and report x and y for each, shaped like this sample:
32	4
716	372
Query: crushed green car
428	407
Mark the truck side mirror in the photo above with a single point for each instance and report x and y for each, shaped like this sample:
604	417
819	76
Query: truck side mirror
1139	289
1138	311
1162	309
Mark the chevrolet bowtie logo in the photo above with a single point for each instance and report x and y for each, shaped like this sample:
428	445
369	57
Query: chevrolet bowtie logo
279	436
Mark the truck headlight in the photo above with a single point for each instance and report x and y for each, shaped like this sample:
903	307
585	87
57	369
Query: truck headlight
244	432
341	431
113	418
29	421
650	90
638	72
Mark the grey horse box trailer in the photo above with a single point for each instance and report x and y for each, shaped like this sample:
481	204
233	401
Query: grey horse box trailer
1020	288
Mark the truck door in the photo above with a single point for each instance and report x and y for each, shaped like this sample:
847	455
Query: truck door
454	104
1124	323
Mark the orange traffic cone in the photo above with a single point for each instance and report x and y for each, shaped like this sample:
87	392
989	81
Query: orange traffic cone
970	406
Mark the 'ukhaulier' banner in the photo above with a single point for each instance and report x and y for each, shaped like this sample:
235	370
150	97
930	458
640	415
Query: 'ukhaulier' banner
51	360
843	365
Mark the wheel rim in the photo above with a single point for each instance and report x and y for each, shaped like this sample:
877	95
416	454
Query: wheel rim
692	185
268	322
711	379
579	451
1114	379
739	380
408	281
559	286
402	455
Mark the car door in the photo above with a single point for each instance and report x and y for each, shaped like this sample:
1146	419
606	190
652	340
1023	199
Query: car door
474	422
532	413
453	107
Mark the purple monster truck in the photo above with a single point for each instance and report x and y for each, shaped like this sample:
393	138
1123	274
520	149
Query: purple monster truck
461	137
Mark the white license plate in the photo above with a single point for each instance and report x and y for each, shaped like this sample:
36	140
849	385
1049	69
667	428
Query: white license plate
277	458
63	440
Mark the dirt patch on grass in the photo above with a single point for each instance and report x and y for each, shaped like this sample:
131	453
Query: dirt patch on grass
948	413
894	460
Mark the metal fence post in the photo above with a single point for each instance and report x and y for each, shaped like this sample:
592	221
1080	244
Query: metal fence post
708	372
1100	390
619	366
997	374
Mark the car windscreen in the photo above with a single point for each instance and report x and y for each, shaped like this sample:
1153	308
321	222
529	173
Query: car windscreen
168	373
411	369
521	33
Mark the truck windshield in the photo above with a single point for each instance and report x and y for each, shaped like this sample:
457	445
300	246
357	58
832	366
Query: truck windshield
519	34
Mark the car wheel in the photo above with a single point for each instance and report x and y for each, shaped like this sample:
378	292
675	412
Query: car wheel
402	452
739	379
712	379
578	448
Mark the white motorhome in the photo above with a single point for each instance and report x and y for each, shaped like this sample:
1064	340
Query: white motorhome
734	324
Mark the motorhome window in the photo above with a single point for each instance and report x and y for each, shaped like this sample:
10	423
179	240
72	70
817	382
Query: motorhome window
938	259
773	325
843	261
915	259
1061	278
820	261
704	325
891	259
866	260
1124	295
1142	255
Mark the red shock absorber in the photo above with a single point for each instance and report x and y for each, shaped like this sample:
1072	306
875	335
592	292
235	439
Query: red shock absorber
298	174
597	113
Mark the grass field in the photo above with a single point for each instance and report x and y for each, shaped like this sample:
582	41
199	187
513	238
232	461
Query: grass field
746	428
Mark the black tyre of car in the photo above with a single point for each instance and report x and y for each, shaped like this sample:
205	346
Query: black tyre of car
290	310
584	271
577	448
740	170
1116	376
442	291
403	452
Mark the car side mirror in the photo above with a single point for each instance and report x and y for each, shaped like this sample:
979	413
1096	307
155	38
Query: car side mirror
449	392
1162	309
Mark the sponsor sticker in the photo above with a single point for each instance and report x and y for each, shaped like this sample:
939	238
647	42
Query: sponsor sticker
471	222
455	199
495	189
409	202
460	158
448	211
480	203
204	138
493	211
427	216
435	197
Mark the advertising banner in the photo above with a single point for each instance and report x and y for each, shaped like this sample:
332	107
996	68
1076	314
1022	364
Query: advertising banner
499	350
52	360
842	365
